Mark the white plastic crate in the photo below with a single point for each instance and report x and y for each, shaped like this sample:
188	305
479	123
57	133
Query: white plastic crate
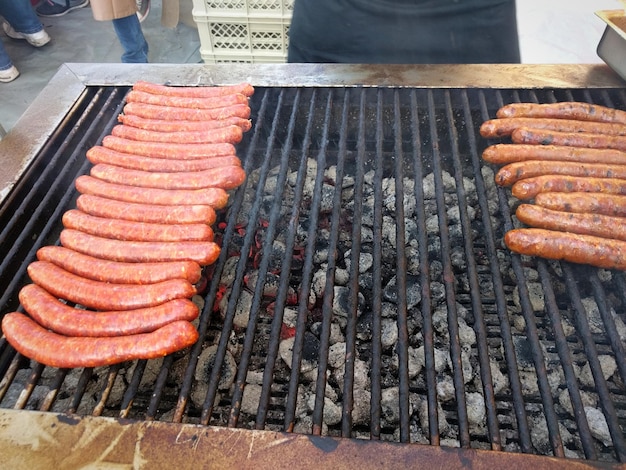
240	38
243	8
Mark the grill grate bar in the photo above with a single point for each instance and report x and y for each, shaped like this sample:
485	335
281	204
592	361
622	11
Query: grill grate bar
281	296
355	255
205	316
264	267
568	369
448	280
327	308
472	270
506	334
237	286
307	273
377	230
592	356
401	280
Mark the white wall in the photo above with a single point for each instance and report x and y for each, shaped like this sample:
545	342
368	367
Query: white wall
561	31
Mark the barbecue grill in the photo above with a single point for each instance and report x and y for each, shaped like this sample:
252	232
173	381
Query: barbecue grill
364	310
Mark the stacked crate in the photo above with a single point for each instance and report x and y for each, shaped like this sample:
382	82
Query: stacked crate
248	31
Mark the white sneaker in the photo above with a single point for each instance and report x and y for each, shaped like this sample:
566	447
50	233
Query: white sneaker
10	74
38	39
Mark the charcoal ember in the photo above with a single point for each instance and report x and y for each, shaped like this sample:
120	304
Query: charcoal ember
310	352
336	355
366	261
251	398
597	425
608	366
476	412
331	413
361	407
361	375
206	362
342	303
442	423
241	316
413	291
388	333
589	400
228	273
499	380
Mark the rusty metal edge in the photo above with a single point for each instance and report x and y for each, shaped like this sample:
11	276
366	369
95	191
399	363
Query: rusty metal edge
34	439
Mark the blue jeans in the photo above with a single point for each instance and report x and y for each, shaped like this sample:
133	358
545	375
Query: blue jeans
20	15
131	38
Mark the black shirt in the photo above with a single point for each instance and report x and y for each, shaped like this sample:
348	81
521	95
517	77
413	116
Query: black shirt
404	31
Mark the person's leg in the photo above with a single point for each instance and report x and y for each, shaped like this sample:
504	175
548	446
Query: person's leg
8	72
131	38
54	8
20	15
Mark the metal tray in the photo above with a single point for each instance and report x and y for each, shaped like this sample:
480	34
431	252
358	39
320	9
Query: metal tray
612	46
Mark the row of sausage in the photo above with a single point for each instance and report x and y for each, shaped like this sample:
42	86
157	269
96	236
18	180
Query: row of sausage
566	162
120	285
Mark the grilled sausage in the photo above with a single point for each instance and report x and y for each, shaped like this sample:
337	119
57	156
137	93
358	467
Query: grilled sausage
222	101
104	295
54	350
563	110
573	247
166	150
98	154
138	231
528	188
513	172
193	91
203	253
117	272
587	224
229	177
59	317
501	154
160	125
494	128
525	135
592	203
214	197
152	111
165	214
229	134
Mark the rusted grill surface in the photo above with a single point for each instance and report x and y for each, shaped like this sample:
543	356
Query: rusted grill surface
363	289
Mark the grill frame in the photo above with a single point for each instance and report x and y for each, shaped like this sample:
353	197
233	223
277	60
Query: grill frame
357	76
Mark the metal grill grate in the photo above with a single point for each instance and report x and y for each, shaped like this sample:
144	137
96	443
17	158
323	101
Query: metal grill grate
372	215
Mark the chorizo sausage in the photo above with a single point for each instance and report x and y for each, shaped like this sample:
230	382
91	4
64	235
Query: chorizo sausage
166	150
103	295
152	111
563	110
504	127
528	188
587	224
573	247
160	125
214	197
501	154
54	350
118	229
59	317
117	272
525	135
222	101
163	214
228	134
593	203
229	177
99	154
203	253
193	91
513	172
